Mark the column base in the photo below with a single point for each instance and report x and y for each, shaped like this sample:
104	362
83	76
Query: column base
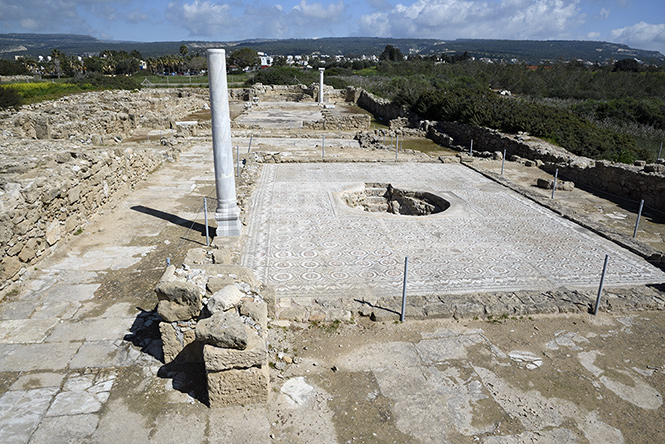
228	225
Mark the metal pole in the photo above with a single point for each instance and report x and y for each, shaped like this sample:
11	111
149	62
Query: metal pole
556	175
323	147
639	214
396	148
471	148
250	143
503	161
660	150
600	288
205	213
406	271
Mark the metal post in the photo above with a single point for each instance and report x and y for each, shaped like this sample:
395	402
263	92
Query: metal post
503	161
639	214
396	148
391	139
556	175
205	214
600	288
471	148
660	150
406	271
323	147
250	143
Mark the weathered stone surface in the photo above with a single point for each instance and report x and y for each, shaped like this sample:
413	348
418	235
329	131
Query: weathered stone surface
232	387
9	267
257	310
225	299
255	355
179	343
53	232
178	300
223	329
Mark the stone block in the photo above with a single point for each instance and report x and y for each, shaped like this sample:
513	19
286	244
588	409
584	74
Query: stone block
225	299
222	329
233	387
53	232
178	300
9	267
179	344
257	310
29	250
255	355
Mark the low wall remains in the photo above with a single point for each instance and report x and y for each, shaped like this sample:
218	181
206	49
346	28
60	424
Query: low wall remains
47	204
635	182
102	117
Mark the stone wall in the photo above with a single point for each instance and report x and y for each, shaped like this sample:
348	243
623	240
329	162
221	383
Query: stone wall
343	122
628	181
104	117
54	200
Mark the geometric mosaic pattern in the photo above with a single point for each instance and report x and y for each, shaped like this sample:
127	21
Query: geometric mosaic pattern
304	245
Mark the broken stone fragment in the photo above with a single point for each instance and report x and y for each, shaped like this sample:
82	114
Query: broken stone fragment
178	300
222	329
225	299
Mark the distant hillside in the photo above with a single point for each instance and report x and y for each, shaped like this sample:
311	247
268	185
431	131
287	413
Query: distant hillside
529	51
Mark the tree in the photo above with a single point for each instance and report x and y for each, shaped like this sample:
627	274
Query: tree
183	50
244	58
630	65
392	54
55	59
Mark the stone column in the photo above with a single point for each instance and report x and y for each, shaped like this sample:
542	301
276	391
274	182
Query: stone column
227	212
321	85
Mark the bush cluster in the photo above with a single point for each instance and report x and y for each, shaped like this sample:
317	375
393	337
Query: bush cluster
9	98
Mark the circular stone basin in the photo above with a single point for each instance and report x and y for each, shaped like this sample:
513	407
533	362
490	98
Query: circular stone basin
384	198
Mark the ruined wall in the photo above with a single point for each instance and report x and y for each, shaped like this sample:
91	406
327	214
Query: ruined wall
628	181
343	122
102	117
39	208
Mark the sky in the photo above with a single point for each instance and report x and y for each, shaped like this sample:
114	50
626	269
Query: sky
636	23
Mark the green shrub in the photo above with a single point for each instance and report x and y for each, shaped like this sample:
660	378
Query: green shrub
10	98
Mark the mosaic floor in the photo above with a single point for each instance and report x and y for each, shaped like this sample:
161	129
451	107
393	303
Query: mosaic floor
305	244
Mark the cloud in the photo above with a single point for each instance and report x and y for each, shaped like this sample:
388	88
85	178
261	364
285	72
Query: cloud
519	19
137	16
226	21
604	13
642	35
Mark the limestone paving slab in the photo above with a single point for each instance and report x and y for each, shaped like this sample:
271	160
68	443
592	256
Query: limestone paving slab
21	331
306	244
30	357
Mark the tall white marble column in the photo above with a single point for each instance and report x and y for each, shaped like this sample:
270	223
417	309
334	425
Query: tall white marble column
321	85
227	213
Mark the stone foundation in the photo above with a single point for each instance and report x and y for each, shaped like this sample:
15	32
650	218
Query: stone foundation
216	314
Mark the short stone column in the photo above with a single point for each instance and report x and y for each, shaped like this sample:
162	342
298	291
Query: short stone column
227	213
321	85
